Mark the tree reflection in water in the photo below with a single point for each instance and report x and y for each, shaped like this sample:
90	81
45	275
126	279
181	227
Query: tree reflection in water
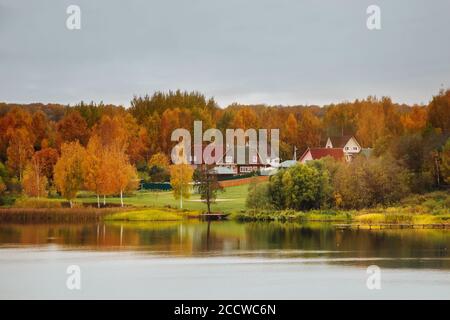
397	248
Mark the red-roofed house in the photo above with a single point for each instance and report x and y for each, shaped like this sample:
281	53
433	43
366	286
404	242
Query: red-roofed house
318	153
340	148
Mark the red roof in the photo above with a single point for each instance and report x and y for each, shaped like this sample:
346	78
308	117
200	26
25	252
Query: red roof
318	153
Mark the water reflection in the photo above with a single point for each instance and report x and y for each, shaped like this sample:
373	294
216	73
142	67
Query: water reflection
391	248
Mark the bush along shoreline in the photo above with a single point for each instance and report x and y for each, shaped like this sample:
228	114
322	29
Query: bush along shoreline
391	216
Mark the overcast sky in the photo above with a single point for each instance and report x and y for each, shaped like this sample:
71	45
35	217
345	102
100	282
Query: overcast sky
247	51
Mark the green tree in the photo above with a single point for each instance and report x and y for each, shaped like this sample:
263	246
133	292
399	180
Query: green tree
301	187
371	182
258	196
207	184
446	162
276	192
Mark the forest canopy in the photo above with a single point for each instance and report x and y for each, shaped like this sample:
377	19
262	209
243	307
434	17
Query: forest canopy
33	137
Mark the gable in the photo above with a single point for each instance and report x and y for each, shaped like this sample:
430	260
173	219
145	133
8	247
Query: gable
339	142
306	156
352	146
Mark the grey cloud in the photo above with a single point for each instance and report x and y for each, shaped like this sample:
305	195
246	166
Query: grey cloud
255	51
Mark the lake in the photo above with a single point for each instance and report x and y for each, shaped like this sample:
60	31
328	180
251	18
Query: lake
221	260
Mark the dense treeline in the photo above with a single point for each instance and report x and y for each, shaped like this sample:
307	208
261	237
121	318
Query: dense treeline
325	183
35	137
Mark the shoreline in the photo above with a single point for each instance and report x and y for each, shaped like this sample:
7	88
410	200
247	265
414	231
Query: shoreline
387	218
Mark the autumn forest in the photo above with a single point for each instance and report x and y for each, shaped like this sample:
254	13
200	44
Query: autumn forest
107	149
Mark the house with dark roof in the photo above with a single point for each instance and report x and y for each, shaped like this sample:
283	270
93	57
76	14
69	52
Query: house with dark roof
228	162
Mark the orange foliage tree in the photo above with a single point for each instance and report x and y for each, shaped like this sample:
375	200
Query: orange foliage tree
123	175
290	132
16	118
72	127
170	120
113	173
19	151
415	120
46	159
309	130
34	181
245	118
39	125
68	171
439	111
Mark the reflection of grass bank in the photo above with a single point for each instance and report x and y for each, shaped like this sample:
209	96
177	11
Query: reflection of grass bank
362	217
152	214
60	215
387	216
431	208
296	216
401	218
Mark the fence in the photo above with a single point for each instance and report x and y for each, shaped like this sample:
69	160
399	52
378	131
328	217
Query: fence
156	186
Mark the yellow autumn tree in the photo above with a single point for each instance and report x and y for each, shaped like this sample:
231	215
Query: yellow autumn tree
180	179
120	175
68	171
95	175
159	160
415	120
34	181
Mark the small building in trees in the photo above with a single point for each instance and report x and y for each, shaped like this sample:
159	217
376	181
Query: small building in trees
227	164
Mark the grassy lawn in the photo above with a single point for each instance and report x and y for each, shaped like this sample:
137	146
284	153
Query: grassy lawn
428	208
153	214
231	200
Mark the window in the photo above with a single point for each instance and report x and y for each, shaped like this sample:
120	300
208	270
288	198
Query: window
355	148
248	169
347	148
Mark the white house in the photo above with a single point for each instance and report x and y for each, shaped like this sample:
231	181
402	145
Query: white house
348	144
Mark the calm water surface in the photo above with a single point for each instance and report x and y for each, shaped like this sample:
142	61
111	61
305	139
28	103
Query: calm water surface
221	260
